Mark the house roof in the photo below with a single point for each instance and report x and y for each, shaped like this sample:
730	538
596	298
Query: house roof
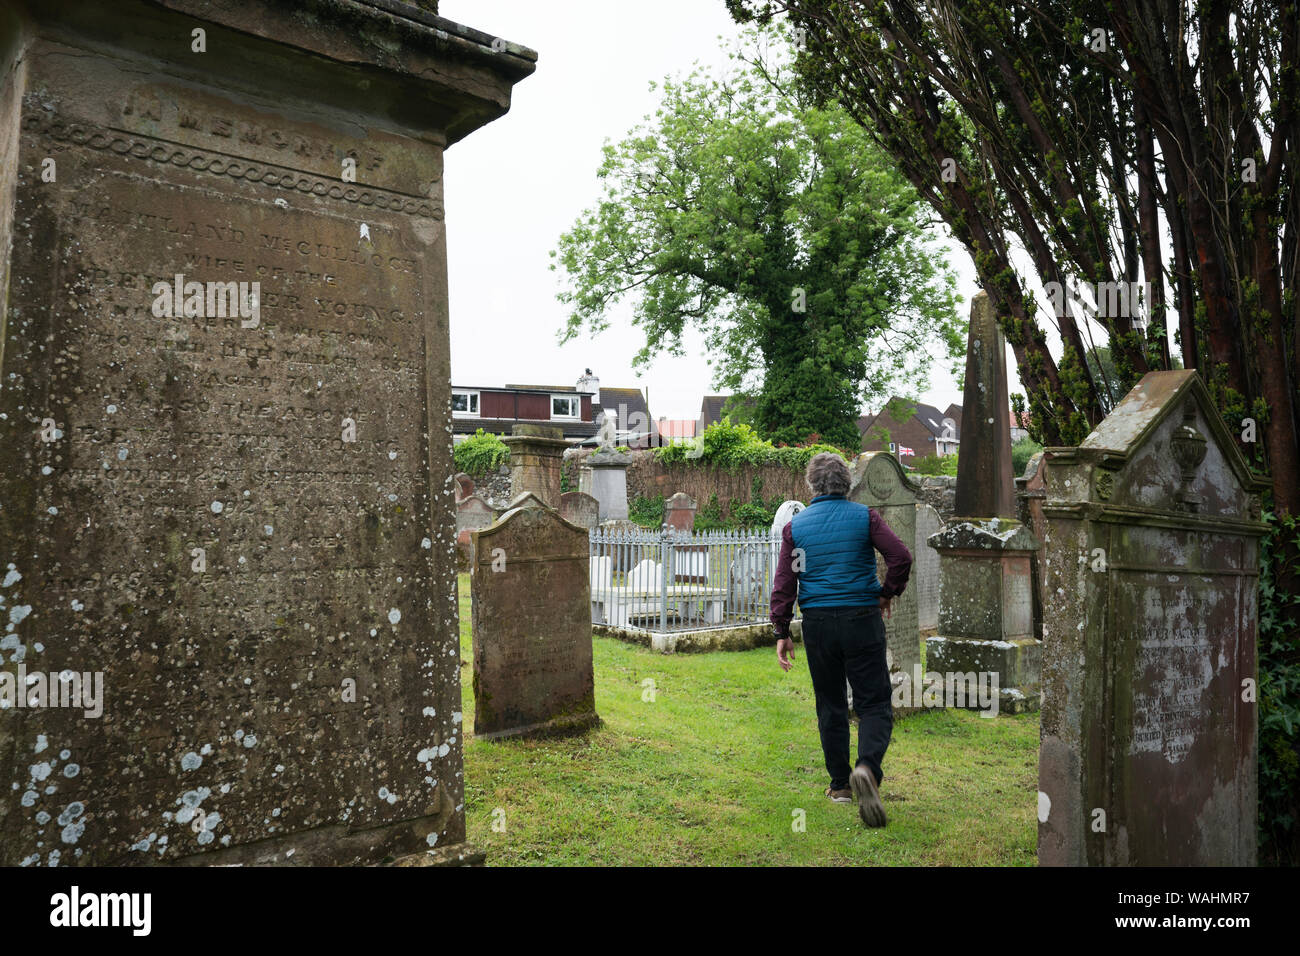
503	426
530	389
927	416
711	408
630	400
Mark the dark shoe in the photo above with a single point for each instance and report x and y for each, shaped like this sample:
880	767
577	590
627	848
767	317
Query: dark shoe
870	809
839	796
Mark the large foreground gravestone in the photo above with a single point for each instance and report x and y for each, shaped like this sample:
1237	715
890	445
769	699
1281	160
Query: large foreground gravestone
1149	704
228	504
879	482
530	586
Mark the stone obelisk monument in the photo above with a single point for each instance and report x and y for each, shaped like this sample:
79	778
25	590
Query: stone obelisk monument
985	593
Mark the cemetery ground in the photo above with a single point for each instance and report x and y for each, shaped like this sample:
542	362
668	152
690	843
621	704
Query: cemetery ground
711	771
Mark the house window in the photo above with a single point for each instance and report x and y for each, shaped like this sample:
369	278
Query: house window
565	406
464	404
892	447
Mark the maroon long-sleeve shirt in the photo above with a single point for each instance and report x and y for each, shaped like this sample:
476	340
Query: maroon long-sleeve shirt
785	588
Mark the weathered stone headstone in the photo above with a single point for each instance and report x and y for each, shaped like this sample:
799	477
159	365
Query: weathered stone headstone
472	513
224	427
985	581
647	576
530	589
880	482
679	512
536	455
603	475
464	485
925	570
782	518
580	508
783	515
1149	711
1030	490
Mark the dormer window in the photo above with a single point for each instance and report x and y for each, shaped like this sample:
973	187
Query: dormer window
464	404
566	406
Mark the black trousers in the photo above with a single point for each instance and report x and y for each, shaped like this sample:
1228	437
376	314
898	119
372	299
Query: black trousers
849	642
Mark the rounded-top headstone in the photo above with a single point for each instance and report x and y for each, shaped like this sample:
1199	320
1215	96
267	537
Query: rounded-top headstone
784	513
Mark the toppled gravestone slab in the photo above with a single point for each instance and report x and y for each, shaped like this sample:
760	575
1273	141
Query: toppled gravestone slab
1151	559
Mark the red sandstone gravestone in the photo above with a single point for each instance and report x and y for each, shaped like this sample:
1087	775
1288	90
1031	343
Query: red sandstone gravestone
241	521
531	595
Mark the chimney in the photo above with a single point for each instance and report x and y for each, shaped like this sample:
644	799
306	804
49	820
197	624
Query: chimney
588	382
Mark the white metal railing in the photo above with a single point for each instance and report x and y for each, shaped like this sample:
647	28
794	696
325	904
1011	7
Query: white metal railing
670	580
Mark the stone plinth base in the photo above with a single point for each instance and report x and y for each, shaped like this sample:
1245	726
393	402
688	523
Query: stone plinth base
536	453
743	637
1017	665
457	854
566	726
986	609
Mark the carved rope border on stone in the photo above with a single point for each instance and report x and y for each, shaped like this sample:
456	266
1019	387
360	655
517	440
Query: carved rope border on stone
169	153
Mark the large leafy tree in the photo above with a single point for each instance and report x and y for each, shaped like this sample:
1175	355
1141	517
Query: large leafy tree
783	232
1112	141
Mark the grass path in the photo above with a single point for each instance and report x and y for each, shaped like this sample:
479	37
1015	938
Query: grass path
714	768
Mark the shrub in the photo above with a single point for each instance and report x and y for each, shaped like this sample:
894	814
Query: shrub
1021	452
935	465
725	445
481	454
751	515
647	512
709	517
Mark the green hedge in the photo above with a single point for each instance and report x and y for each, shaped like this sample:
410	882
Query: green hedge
481	454
724	445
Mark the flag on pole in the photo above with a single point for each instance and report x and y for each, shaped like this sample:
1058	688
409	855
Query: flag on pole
904	450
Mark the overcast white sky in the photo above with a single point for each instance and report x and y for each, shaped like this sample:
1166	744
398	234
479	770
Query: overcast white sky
514	186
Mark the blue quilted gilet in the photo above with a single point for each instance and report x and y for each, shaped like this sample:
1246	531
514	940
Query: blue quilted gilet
839	563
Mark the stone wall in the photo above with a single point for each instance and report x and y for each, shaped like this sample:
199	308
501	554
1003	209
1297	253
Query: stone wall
495	489
940	493
647	478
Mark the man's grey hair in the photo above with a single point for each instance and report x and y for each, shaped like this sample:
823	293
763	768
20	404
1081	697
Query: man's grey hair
827	474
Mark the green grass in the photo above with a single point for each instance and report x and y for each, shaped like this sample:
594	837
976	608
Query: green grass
713	769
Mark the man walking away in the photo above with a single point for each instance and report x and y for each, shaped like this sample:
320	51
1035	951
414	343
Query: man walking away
828	562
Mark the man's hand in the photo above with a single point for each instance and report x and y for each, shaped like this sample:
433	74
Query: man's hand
785	653
884	607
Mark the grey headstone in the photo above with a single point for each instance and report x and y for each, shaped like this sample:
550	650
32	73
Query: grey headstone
925	569
880	482
1151	577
